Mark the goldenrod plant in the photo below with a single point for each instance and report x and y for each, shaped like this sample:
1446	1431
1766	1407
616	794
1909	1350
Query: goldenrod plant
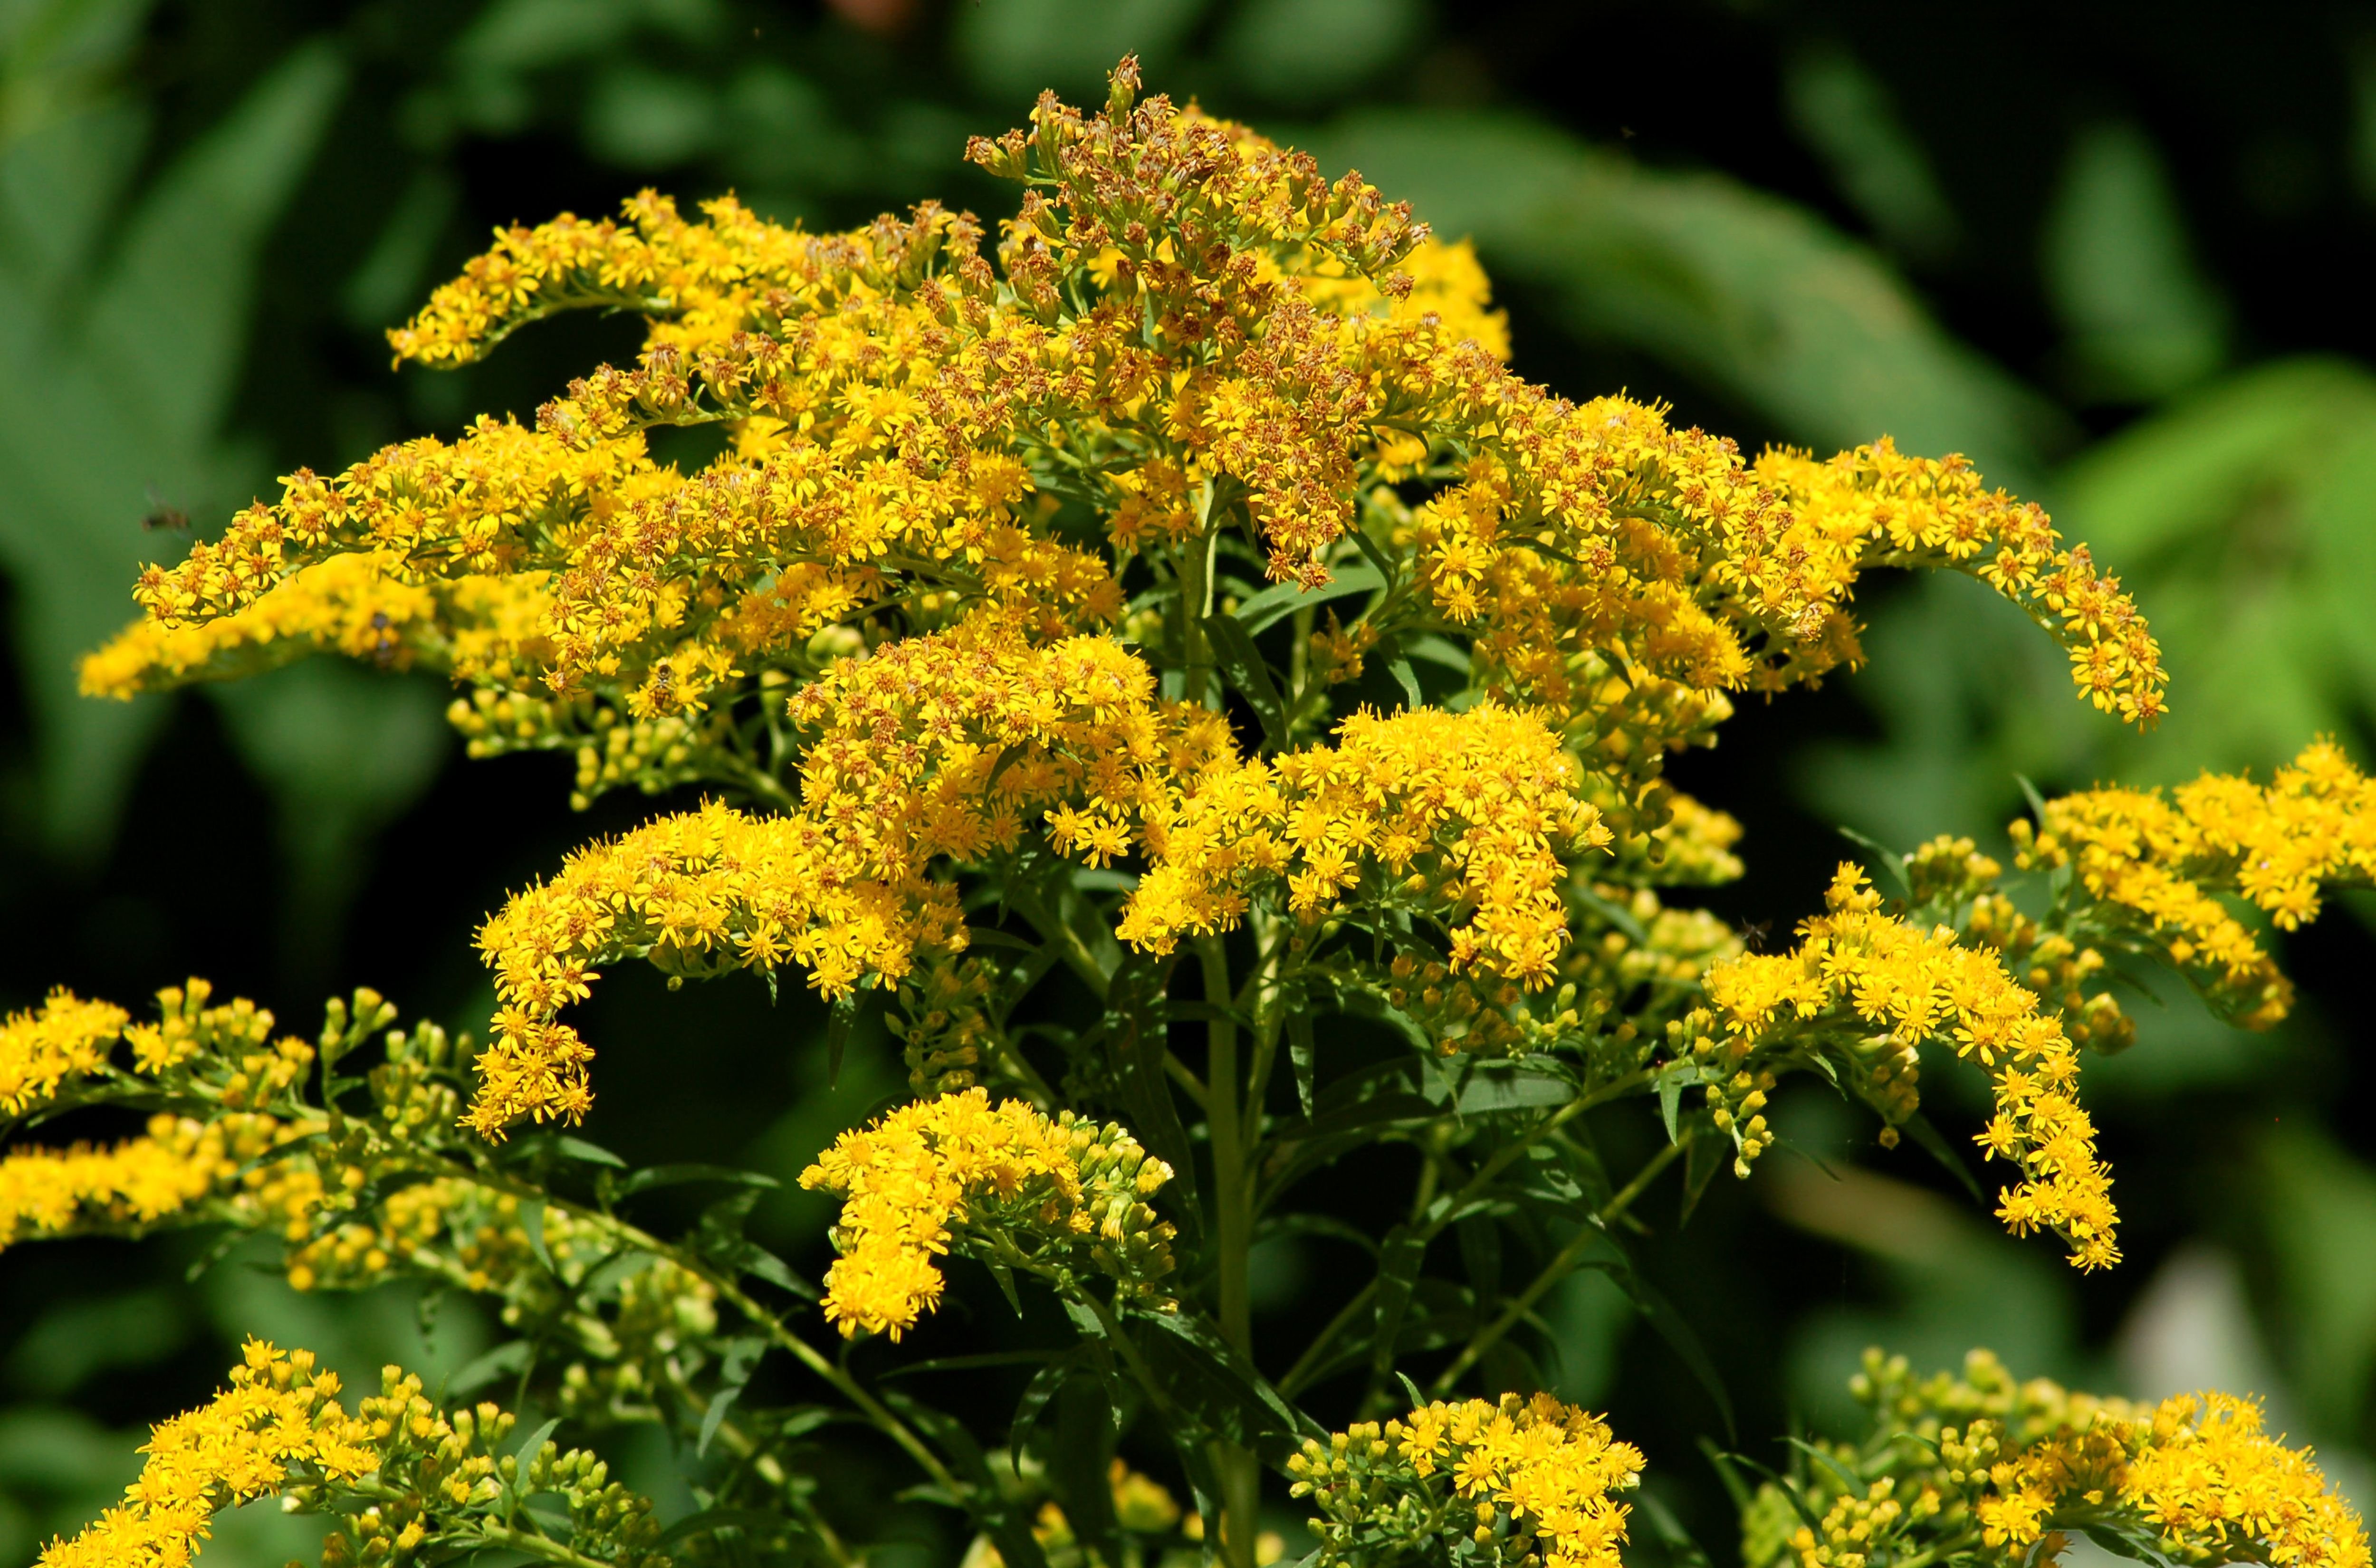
1161	662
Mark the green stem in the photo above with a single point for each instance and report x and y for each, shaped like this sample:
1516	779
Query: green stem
1309	1361
1233	1215
1189	565
777	1332
1238	1471
1562	1263
1054	927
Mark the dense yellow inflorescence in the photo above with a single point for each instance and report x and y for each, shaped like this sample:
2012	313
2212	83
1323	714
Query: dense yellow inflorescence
43	1049
2163	864
1472	811
1526	1480
954	475
1860	965
409	1480
2009	1471
53	1192
1003	1180
278	1417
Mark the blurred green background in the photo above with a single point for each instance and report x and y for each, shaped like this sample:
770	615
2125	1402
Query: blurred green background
2116	252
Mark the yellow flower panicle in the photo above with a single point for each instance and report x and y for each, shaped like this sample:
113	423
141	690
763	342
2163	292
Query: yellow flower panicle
932	750
1467	814
1603	560
1062	1197
1859	968
44	1049
473	627
1876	506
2162	864
279	1421
705	279
2211	1480
1525	1481
435	1483
131	1184
2005	1471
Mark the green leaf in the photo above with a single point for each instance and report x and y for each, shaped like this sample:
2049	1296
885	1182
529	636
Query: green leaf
130	388
1680	1337
1301	1054
1000	1516
718	1237
2122	1543
506	1360
1680	1547
1891	861
1614	913
838	1022
1734	1486
1706	1156
1514	1086
740	1356
1399	1260
1242	665
1005	1277
533	1445
1077	1470
1927	1139
655	1176
969	1363
1388	569
1276	603
1440	651
531	1213
1849	1485
1671	1084
1268	1420
1400	667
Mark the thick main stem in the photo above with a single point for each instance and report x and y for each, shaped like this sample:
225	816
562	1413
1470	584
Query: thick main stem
1238	1471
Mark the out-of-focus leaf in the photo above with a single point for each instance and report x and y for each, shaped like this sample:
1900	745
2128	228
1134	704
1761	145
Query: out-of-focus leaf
58	57
343	751
2143	321
78	1338
1014	48
125	395
1754	296
645	119
2320	1214
1844	112
1300	51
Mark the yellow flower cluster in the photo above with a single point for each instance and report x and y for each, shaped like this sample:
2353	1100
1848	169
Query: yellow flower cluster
1526	1480
934	748
1002	1180
2003	1471
1594	551
2209	1480
1467	813
409	1479
2161	864
43	1051
942	748
477	627
1883	506
131	1184
1859	967
279	1419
